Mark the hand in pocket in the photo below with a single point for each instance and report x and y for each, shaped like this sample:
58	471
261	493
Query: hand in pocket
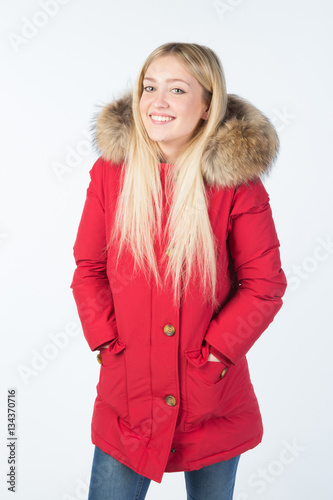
211	357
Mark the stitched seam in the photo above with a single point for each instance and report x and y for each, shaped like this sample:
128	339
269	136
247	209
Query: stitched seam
139	488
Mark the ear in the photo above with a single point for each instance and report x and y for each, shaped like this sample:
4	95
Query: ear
205	114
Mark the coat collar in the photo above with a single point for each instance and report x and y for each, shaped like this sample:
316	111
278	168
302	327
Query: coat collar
244	147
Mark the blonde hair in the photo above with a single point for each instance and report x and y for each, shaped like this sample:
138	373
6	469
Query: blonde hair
138	221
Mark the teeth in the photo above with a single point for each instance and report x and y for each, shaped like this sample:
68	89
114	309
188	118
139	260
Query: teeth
161	118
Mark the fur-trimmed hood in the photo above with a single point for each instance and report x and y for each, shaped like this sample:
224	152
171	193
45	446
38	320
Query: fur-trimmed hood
244	147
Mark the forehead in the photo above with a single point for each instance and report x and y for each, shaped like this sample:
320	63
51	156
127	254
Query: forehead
168	66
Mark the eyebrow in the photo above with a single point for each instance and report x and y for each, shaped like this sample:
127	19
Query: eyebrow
169	80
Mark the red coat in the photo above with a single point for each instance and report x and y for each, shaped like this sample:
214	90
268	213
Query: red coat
160	405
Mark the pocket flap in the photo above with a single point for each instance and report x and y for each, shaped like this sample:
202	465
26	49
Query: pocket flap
116	345
199	356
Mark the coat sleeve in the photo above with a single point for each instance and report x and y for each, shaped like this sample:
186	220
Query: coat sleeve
90	284
254	248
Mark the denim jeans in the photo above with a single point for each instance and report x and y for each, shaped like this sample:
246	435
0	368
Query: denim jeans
112	480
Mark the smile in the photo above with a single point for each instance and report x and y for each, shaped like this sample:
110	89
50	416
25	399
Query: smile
161	119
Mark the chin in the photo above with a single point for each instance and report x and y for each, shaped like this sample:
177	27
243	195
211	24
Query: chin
157	137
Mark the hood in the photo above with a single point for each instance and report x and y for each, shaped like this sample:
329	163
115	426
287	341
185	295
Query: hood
243	148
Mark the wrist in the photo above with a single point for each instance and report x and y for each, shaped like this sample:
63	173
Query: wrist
104	346
219	355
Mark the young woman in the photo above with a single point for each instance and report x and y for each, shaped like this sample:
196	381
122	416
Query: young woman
178	274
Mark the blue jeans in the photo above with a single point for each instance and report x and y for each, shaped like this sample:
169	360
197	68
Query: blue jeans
112	480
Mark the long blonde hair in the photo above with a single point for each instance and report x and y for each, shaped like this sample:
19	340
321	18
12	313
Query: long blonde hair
139	211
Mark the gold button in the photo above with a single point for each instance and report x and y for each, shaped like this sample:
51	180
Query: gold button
170	251
223	373
170	400
99	358
169	330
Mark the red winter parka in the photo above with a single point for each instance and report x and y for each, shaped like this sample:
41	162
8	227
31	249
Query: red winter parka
160	405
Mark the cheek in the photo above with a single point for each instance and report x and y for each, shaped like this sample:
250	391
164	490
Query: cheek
144	104
190	117
189	111
141	108
195	114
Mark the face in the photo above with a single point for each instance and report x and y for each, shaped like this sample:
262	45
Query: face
171	105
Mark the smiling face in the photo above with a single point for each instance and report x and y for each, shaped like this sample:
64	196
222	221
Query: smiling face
171	104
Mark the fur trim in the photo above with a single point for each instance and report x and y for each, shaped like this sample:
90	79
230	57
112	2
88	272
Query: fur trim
244	147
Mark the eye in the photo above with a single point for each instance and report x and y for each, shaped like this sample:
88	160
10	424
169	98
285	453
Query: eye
148	89
178	91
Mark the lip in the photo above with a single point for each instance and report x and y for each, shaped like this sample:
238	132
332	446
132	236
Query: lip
160	122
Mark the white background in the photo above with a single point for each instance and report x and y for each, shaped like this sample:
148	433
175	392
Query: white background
278	55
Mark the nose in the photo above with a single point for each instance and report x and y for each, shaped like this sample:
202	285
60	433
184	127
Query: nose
160	99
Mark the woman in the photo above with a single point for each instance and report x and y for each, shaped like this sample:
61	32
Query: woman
178	274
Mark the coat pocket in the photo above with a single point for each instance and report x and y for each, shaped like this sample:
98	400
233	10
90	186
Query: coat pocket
112	384
206	387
